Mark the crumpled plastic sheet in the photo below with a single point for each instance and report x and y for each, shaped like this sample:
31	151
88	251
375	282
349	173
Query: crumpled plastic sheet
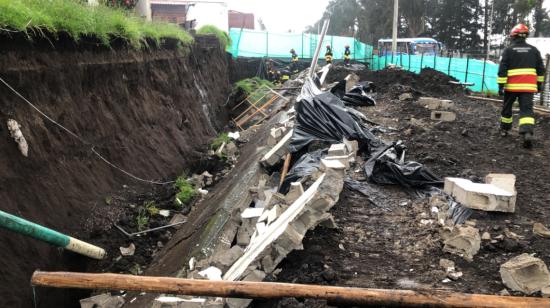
324	118
306	165
459	213
386	166
357	95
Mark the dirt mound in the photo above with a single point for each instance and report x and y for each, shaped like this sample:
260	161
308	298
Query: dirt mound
392	81
150	112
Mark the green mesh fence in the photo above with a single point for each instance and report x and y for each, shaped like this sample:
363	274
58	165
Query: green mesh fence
249	43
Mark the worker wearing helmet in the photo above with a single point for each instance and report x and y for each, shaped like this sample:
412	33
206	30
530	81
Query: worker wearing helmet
293	61
328	55
520	75
347	55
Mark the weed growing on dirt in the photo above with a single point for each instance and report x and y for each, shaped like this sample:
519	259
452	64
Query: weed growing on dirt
142	219
223	37
151	208
186	191
250	85
218	141
79	20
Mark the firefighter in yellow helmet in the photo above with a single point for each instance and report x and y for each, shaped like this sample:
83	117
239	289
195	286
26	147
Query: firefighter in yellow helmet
347	56
520	75
293	61
328	55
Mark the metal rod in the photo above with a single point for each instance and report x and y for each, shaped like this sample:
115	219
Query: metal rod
250	289
318	49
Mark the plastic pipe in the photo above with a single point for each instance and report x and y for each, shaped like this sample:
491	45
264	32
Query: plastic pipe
25	227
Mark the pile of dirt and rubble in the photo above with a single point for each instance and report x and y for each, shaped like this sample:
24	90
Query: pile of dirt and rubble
150	112
388	237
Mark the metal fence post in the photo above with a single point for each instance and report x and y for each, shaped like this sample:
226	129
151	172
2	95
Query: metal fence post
302	45
449	67
267	44
483	75
409	61
435	62
467	66
421	61
401	59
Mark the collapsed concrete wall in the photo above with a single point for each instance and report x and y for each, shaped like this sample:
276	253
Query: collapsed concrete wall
150	112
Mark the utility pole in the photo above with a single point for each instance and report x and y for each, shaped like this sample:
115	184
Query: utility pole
394	31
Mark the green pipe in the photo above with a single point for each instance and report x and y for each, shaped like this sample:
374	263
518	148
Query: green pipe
25	227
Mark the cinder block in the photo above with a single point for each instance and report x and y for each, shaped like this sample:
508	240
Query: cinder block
344	159
275	135
446	116
433	103
464	241
295	191
338	149
277	152
486	197
352	146
525	273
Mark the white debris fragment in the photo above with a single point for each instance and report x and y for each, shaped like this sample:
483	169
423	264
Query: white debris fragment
164	213
203	192
17	135
192	263
234	135
128	251
211	273
252	212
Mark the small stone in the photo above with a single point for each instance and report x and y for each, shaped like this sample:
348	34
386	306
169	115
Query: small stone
486	236
447	264
540	230
545	292
454	275
128	251
504	292
446	280
341	247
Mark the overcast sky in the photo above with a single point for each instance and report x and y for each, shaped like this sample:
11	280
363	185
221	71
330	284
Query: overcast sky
282	15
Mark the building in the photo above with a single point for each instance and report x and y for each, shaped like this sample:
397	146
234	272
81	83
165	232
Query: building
241	20
191	14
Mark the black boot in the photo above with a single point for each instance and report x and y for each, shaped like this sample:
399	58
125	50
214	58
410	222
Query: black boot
527	140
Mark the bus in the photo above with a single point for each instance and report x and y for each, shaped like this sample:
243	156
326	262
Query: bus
412	46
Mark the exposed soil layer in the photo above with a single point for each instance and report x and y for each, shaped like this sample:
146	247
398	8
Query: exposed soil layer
150	112
380	242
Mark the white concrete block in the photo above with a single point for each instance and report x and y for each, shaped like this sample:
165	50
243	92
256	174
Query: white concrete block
252	212
338	149
486	197
505	181
331	164
445	116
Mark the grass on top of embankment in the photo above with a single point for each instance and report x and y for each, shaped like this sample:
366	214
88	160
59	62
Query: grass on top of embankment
79	20
222	36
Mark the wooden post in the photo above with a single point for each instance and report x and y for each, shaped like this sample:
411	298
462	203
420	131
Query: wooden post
249	289
284	171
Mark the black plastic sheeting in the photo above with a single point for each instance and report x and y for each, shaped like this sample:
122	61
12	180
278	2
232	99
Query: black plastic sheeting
386	167
324	118
306	165
357	95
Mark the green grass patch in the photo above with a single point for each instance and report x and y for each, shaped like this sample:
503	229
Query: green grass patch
223	37
80	20
218	141
186	191
250	85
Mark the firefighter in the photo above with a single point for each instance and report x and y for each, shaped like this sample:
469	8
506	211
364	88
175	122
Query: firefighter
520	75
272	73
293	61
347	56
328	55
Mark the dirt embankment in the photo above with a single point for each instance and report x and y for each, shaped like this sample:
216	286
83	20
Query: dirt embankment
149	112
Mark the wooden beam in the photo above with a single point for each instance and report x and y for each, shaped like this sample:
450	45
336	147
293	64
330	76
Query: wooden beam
243	289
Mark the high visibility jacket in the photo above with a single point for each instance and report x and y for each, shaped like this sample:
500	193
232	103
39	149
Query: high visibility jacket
347	54
294	58
520	68
328	56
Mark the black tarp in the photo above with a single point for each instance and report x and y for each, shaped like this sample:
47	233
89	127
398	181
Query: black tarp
357	95
306	165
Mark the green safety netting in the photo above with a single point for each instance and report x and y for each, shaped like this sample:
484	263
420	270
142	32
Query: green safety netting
250	43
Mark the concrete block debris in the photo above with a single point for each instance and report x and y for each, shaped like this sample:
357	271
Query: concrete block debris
277	153
104	300
504	181
17	135
338	149
406	97
275	135
252	212
295	191
540	230
211	273
464	242
445	116
525	273
433	103
486	197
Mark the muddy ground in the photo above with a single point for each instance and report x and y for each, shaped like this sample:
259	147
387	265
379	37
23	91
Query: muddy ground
380	242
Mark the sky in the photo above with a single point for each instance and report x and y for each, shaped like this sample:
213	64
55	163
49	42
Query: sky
282	15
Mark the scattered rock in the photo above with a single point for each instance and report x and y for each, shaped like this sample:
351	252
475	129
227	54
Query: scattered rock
17	135
464	241
454	275
164	213
104	300
406	97
447	265
486	236
177	219
545	292
329	275
540	230
128	251
525	273
504	292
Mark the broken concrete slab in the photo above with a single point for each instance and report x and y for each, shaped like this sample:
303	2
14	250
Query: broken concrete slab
352	146
486	197
255	275
338	149
128	251
464	242
540	230
224	259
245	232
351	80
275	135
211	273
545	292
252	212
277	153
295	191
445	116
525	273
504	181
406	97
274	213
104	300
345	159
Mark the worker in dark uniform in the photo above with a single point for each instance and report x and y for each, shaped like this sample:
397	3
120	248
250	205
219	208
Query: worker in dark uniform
293	61
328	55
520	75
347	56
272	74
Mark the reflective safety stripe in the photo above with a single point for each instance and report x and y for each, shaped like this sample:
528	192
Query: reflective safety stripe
502	79
522	71
527	121
506	120
540	78
347	57
521	86
285	77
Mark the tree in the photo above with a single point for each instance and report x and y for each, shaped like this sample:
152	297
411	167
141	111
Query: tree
414	16
343	18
